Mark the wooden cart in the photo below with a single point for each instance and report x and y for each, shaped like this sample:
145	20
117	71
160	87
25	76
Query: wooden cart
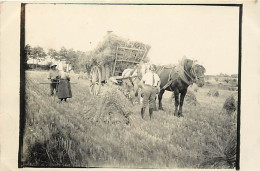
100	74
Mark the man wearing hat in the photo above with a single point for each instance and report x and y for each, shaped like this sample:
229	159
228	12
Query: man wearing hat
151	87
53	76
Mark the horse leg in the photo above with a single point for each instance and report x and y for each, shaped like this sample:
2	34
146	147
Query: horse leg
176	96
183	93
160	95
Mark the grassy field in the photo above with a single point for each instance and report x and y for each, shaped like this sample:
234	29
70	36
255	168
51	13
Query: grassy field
108	131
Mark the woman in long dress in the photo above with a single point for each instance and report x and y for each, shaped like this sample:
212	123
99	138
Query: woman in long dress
64	88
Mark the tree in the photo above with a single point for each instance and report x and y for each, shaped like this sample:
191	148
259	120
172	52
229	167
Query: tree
53	53
28	52
63	53
38	53
72	57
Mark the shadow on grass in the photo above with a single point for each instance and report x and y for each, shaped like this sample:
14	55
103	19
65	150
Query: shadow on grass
53	152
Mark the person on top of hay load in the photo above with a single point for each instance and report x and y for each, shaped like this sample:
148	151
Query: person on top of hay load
64	88
151	87
53	76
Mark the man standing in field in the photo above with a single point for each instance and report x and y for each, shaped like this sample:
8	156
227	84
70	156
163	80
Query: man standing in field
53	76
151	87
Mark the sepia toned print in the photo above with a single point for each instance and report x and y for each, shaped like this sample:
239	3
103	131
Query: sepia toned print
128	86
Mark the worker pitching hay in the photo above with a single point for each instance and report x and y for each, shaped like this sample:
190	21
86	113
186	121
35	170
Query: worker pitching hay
213	92
230	105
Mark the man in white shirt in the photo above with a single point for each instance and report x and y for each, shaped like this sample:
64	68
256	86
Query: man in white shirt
151	87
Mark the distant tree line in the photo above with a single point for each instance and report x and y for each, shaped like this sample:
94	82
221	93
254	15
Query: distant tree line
77	59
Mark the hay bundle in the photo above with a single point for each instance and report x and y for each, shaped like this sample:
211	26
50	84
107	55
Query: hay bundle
221	157
105	52
213	92
231	150
191	99
230	105
115	107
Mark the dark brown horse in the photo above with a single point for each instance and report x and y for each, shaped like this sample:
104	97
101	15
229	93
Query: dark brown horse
177	79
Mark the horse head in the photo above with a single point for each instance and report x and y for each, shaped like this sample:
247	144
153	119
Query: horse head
198	72
195	72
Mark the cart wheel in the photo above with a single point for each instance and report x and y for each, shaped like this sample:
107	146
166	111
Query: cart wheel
95	80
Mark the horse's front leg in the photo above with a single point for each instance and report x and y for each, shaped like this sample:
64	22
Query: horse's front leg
160	95
176	96
183	93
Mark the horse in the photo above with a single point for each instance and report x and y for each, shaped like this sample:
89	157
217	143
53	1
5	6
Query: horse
132	80
177	79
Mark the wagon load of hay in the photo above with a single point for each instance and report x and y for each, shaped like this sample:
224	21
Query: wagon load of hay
213	92
191	99
113	47
115	107
230	105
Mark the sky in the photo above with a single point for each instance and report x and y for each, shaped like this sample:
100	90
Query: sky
208	34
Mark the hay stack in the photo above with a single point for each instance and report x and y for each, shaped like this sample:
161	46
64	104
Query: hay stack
213	92
115	107
230	105
191	99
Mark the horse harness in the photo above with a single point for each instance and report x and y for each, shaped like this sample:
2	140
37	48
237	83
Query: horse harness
181	76
170	80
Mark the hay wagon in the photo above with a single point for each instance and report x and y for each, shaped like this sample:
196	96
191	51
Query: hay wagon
119	60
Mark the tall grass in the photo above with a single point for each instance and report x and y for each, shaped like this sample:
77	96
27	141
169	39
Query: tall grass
107	131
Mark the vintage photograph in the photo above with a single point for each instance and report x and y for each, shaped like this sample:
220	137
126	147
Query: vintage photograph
130	86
